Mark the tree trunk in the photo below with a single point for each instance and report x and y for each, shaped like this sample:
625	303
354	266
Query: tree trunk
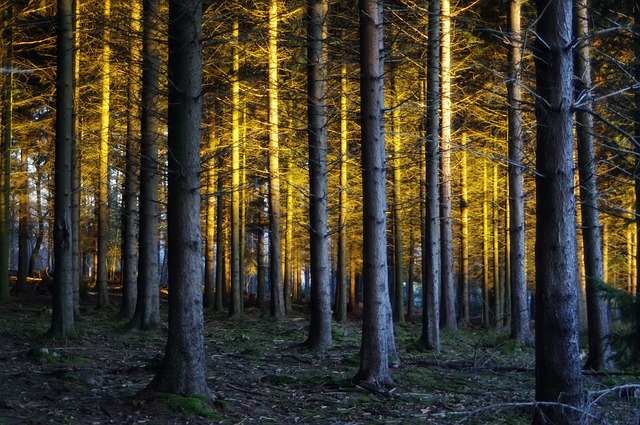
130	198
103	179
558	375
376	317
184	367
520	329
35	252
430	337
23	223
636	131
598	322
320	322
260	295
288	242
495	227
344	300
448	308
62	320
275	230
76	169
464	234
486	302
220	296
398	264
7	135
235	304
147	315
208	298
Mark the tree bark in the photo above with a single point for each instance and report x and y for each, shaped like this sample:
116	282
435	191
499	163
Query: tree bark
344	300
319	338
520	328
184	367
558	374
464	234
430	337
275	227
597	319
62	319
220	295
398	263
23	222
130	196
377	326
147	315
448	307
7	134
208	297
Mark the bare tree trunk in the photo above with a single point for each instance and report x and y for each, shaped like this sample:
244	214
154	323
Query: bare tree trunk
275	228
235	304
495	227
430	337
598	322
208	297
147	315
377	327
7	134
23	222
103	178
130	198
320	326
520	329
343	282
35	252
486	303
464	234
558	374
220	295
184	367
448	308
62	319
76	167
398	263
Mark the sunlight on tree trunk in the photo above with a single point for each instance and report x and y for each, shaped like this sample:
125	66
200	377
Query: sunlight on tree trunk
464	234
235	304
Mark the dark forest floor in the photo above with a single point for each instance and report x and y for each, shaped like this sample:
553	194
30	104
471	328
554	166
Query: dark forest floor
260	375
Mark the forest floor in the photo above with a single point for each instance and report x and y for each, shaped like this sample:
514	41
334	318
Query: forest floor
259	374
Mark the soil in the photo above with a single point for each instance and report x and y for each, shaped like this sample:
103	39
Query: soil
259	373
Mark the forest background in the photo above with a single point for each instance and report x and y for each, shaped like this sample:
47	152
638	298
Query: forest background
255	157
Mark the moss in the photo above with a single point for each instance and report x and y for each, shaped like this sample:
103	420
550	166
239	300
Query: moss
193	405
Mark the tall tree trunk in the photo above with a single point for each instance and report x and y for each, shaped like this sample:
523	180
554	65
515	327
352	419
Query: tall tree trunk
464	234
62	319
344	299
260	291
507	263
103	178
147	315
377	327
411	275
598	322
220	295
430	337
76	167
275	228
35	252
495	227
636	131
208	298
486	303
448	308
288	242
235	305
558	374
398	266
520	329
7	135
130	197
184	367
23	222
320	325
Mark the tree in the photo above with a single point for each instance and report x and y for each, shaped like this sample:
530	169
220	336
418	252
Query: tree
377	328
430	337
597	318
464	233
130	199
7	108
183	370
558	375
103	169
62	320
448	307
320	326
147	315
520	330
343	282
275	228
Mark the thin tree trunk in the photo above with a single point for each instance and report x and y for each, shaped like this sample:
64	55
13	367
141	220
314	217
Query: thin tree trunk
520	329
23	223
220	296
35	252
275	230
398	264
147	315
495	227
319	338
448	308
558	374
7	134
235	304
344	300
377	326
62	319
184	367
76	167
598	322
260	296
430	337
208	298
130	198
464	234
486	303
103	178
288	241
